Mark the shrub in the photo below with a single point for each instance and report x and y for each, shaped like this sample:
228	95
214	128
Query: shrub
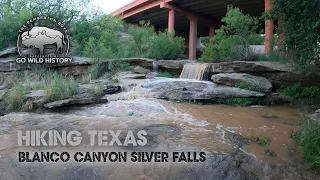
273	57
240	101
61	87
140	46
231	40
166	46
309	136
298	91
16	97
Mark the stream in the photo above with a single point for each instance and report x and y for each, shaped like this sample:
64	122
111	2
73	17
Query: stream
223	133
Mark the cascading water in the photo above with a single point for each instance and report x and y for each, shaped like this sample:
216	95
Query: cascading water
198	71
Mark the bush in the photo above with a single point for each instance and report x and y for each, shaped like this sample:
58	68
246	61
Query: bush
16	97
231	41
300	92
140	46
273	57
166	46
240	101
60	87
309	136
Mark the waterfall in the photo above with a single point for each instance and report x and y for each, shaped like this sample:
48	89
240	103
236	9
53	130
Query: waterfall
198	71
155	66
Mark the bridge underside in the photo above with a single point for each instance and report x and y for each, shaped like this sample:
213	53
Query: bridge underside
192	18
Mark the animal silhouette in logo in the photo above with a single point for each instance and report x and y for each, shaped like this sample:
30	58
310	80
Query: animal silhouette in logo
41	36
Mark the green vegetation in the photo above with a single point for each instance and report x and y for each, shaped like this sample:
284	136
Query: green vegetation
273	57
231	41
242	101
244	85
260	139
97	91
16	97
309	136
301	24
60	87
167	46
164	74
300	92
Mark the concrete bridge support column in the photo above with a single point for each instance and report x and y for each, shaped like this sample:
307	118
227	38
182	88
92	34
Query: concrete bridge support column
212	30
269	28
281	37
193	38
171	21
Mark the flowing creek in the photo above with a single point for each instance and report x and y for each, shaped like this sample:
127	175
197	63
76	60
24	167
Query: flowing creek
220	131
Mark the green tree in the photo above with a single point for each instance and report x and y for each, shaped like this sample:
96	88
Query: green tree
301	25
232	39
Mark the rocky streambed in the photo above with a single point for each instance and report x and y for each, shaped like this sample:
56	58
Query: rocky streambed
227	135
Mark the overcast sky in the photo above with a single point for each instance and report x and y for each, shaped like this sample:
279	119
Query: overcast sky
109	6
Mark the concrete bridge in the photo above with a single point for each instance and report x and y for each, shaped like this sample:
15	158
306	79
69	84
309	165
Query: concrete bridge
193	18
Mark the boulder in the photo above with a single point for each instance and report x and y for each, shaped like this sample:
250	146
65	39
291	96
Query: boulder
37	97
77	100
106	89
280	75
186	89
141	70
278	99
134	76
87	94
249	82
143	62
172	65
9	52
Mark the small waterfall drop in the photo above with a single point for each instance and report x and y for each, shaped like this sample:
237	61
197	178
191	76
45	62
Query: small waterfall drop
198	71
155	66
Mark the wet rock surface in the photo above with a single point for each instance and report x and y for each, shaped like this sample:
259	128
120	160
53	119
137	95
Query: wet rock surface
177	89
172	65
280	75
250	82
140	70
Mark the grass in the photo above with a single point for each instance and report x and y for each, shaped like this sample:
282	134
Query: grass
60	87
309	136
273	57
260	139
243	85
16	97
164	74
242	101
97	91
298	91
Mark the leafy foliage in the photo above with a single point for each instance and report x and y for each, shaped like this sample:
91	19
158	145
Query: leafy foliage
60	87
300	92
140	45
16	97
167	46
232	39
301	24
310	142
